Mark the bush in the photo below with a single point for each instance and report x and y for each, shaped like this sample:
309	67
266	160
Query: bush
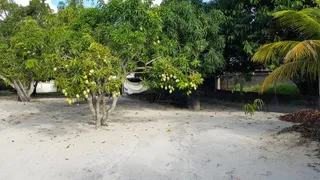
285	89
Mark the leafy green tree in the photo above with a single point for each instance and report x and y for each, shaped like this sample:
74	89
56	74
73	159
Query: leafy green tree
299	56
38	10
10	15
95	76
130	28
195	32
21	62
190	46
83	69
22	39
133	30
249	25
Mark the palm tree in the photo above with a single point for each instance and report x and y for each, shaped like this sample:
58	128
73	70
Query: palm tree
300	58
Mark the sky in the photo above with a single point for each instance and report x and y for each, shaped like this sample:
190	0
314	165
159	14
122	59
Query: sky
53	3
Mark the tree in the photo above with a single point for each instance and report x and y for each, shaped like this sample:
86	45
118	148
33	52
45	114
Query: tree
249	25
21	62
95	76
10	15
190	46
132	29
22	41
83	69
196	33
299	57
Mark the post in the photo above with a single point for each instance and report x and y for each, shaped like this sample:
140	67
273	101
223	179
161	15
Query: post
241	85
319	91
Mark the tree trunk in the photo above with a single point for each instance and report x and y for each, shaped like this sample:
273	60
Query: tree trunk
97	105
23	93
319	91
241	86
215	83
196	102
109	111
91	103
310	88
98	111
35	88
275	88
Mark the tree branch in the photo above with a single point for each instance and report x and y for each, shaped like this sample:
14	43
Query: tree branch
23	89
113	106
31	87
155	59
6	80
91	106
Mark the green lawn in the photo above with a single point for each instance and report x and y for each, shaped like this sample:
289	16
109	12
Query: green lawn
286	89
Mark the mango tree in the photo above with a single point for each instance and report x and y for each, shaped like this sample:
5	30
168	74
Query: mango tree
190	46
95	76
130	28
22	44
21	61
83	69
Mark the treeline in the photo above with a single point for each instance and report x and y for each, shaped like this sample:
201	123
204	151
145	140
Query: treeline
174	45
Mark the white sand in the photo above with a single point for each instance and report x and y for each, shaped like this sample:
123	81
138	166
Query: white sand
51	140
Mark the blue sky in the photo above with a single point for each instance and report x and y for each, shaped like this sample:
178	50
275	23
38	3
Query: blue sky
89	3
86	3
53	3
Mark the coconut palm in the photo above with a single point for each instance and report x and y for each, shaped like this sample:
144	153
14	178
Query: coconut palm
299	58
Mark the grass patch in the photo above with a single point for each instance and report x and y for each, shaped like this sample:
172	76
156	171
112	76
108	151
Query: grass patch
285	89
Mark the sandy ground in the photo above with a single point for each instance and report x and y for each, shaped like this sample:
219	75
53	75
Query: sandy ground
51	140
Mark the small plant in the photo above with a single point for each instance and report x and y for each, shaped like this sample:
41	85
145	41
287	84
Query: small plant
236	88
251	108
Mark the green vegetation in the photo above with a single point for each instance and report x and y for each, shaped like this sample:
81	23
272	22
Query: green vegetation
22	46
251	108
249	25
298	56
285	89
90	51
174	46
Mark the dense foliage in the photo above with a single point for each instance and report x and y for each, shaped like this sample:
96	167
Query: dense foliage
90	51
22	46
299	57
249	25
173	47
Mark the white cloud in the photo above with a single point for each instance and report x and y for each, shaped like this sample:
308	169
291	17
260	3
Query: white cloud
52	6
157	2
26	2
22	2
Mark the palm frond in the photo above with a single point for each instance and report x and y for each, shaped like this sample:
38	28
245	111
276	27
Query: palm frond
289	70
312	12
284	72
269	53
304	50
303	22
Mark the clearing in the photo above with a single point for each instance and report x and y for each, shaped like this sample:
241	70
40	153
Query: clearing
50	140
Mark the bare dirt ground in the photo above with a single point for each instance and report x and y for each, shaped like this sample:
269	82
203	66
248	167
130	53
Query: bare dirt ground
50	140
